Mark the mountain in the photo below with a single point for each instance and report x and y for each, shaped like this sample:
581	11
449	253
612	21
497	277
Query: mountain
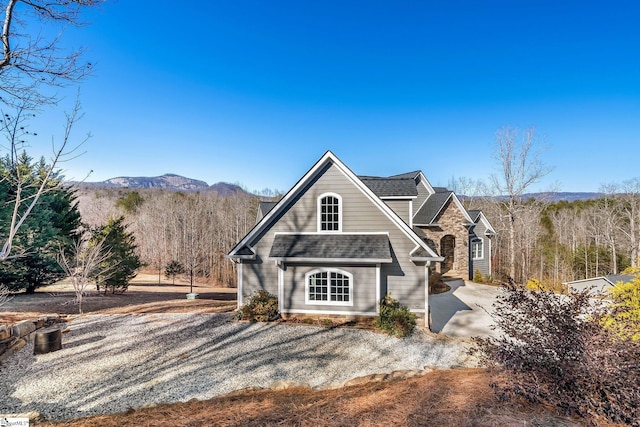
567	196
174	182
167	181
226	189
564	196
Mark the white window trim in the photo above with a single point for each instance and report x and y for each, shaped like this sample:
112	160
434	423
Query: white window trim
477	241
319	213
328	302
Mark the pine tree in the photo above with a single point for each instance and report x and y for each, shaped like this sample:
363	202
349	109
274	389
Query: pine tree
51	227
123	261
173	269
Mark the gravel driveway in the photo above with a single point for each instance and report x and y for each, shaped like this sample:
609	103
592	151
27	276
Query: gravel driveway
112	363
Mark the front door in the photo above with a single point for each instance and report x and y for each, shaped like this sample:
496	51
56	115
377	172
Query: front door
447	250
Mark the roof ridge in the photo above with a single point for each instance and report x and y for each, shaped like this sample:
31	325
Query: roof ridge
410	175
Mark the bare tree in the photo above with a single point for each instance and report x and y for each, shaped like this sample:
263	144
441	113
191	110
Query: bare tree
518	155
5	295
30	60
609	224
84	264
14	130
630	211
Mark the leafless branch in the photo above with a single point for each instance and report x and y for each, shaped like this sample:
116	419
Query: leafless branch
5	295
85	263
14	131
30	61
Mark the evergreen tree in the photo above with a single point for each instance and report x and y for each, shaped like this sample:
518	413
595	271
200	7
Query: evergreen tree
52	226
173	269
122	260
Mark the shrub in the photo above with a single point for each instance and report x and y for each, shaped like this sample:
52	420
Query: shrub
261	307
624	317
538	285
553	348
395	319
327	323
477	276
534	285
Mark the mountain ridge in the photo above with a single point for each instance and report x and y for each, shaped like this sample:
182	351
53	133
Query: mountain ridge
168	181
174	182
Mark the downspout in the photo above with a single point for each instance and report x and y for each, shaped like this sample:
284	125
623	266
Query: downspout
240	277
280	265
427	311
378	290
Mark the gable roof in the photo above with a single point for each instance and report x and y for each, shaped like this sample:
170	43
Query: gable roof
265	207
391	187
299	187
430	209
612	279
371	248
478	216
434	204
474	214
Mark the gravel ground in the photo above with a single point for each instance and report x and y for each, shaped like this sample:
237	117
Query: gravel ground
110	363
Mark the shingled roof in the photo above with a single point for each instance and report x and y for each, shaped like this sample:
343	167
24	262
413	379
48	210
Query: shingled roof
441	190
411	175
265	207
474	214
431	207
391	187
371	247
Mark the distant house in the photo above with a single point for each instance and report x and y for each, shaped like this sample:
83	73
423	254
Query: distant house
597	285
337	242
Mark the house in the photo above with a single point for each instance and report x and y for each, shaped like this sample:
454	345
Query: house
336	243
597	285
480	244
461	237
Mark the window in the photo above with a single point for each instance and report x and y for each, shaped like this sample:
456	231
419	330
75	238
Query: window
331	287
329	215
477	249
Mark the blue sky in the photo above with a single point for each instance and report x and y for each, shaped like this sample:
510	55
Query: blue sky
254	92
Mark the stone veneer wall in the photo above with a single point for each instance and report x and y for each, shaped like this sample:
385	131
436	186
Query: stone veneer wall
451	221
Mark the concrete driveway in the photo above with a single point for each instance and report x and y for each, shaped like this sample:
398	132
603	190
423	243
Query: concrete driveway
464	311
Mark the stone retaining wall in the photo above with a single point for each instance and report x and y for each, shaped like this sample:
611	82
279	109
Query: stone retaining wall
14	337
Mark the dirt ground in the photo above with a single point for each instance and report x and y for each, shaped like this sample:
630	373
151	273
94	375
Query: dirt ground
145	295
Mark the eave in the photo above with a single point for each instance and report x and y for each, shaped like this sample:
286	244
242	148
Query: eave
333	260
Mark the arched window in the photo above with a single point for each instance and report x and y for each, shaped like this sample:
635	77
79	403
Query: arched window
330	212
329	286
477	248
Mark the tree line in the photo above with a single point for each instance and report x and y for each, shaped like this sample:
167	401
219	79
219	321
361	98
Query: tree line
175	233
191	232
555	242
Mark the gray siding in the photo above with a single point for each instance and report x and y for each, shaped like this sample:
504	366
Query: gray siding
402	208
402	278
483	264
363	283
423	193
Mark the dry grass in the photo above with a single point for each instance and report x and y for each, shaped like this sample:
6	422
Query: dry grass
460	397
145	295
